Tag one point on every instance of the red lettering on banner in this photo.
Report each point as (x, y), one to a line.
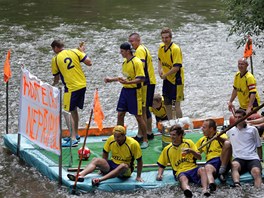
(38, 93)
(31, 123)
(43, 91)
(40, 113)
(30, 89)
(25, 85)
(44, 124)
(53, 103)
(40, 121)
(35, 91)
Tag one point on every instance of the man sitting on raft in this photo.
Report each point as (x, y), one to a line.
(246, 149)
(218, 153)
(182, 154)
(124, 151)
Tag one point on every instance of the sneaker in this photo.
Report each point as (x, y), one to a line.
(150, 136)
(206, 193)
(187, 193)
(212, 187)
(138, 139)
(144, 145)
(236, 185)
(73, 177)
(74, 143)
(67, 139)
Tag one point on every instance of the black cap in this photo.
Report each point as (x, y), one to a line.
(126, 46)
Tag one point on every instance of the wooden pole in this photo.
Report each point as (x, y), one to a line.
(251, 65)
(60, 157)
(231, 126)
(7, 115)
(80, 161)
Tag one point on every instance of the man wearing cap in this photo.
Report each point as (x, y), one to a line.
(130, 99)
(124, 150)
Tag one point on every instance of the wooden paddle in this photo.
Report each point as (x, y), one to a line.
(80, 161)
(231, 126)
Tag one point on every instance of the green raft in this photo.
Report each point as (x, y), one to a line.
(47, 163)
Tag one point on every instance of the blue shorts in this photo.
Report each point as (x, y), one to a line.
(72, 100)
(130, 100)
(172, 92)
(149, 101)
(192, 175)
(168, 91)
(215, 162)
(113, 166)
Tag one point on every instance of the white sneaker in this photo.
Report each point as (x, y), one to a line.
(144, 145)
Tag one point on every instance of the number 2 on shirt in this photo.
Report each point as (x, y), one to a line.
(69, 61)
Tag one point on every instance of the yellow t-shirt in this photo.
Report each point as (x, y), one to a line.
(172, 57)
(212, 149)
(173, 155)
(67, 64)
(144, 55)
(126, 153)
(133, 69)
(160, 113)
(244, 86)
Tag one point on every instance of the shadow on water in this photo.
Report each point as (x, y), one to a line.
(28, 27)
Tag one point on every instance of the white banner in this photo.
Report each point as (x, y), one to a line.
(39, 118)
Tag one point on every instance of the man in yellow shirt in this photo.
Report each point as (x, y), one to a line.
(218, 153)
(148, 88)
(130, 99)
(124, 150)
(244, 89)
(182, 155)
(171, 70)
(66, 66)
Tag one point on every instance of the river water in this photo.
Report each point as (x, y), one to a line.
(210, 59)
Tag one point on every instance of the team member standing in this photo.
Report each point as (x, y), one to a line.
(124, 150)
(150, 81)
(66, 66)
(130, 99)
(182, 155)
(171, 70)
(246, 149)
(218, 152)
(244, 88)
